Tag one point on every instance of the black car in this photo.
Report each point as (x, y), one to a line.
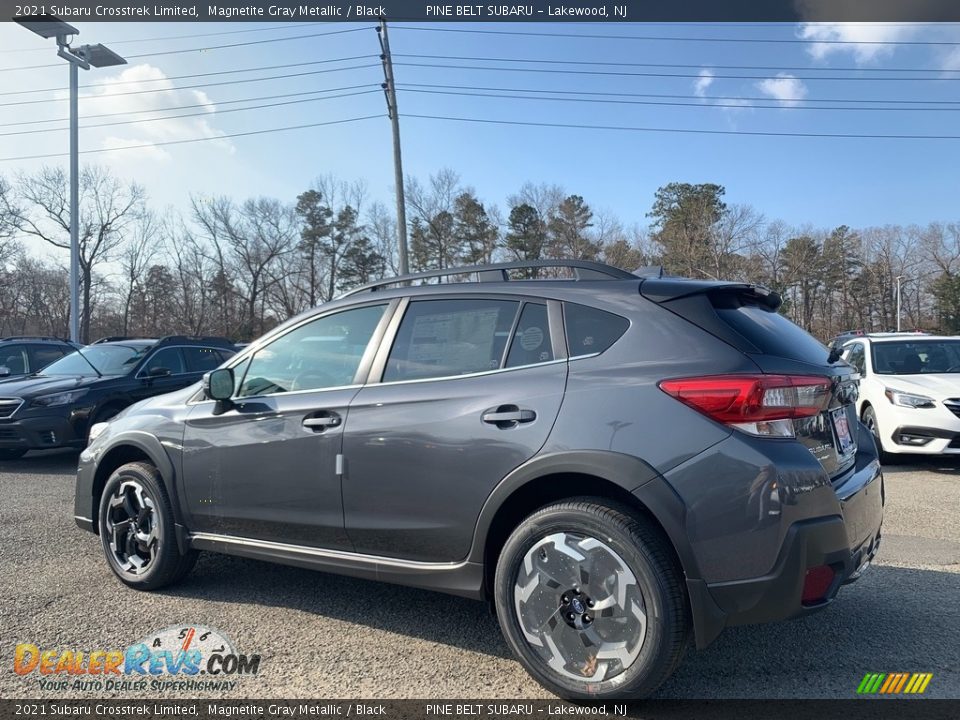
(57, 406)
(621, 464)
(25, 354)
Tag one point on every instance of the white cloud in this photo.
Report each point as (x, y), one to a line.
(703, 83)
(784, 88)
(855, 35)
(124, 93)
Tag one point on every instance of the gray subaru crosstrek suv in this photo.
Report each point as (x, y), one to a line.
(619, 463)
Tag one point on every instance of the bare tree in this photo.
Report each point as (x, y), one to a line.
(108, 208)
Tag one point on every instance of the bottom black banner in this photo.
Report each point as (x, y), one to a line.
(872, 709)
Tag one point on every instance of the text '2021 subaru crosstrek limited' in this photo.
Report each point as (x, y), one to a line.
(619, 463)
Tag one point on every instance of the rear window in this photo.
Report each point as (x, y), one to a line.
(769, 331)
(591, 331)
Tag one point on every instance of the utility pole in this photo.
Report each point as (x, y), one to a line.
(390, 91)
(899, 281)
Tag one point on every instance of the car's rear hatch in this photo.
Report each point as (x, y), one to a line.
(746, 317)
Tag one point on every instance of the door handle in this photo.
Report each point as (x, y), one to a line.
(320, 423)
(507, 416)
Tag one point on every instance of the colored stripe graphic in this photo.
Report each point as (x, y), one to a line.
(894, 683)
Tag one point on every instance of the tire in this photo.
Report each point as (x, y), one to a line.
(12, 453)
(869, 418)
(624, 561)
(137, 529)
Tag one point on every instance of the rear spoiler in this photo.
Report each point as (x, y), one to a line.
(662, 290)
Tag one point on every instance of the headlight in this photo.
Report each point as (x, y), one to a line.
(96, 431)
(60, 398)
(904, 399)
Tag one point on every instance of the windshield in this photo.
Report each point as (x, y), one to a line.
(916, 357)
(107, 359)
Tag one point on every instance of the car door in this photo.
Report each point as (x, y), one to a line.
(266, 465)
(470, 388)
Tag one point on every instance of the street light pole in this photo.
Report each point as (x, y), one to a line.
(74, 207)
(85, 57)
(899, 278)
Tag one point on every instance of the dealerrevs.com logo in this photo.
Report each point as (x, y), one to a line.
(188, 658)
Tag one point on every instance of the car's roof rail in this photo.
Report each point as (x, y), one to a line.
(48, 338)
(500, 272)
(195, 340)
(119, 338)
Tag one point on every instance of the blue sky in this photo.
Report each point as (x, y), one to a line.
(820, 181)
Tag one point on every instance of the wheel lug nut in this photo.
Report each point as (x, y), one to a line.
(570, 616)
(587, 618)
(590, 603)
(565, 599)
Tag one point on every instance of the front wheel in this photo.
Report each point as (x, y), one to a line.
(870, 421)
(591, 600)
(137, 529)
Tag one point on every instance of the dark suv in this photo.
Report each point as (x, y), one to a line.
(25, 354)
(619, 463)
(56, 406)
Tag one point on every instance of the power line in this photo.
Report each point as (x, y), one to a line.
(196, 75)
(682, 39)
(195, 105)
(208, 48)
(613, 73)
(850, 136)
(699, 66)
(196, 140)
(683, 97)
(205, 85)
(376, 89)
(680, 104)
(282, 26)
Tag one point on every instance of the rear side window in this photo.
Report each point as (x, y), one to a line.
(444, 338)
(201, 359)
(591, 331)
(767, 330)
(531, 340)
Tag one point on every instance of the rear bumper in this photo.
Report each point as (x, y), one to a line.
(845, 538)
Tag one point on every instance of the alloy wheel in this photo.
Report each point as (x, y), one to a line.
(579, 607)
(132, 528)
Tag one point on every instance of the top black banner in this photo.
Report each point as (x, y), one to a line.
(787, 11)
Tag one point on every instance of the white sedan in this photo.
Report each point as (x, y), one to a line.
(909, 390)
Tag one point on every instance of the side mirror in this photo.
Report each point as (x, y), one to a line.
(4, 371)
(218, 384)
(158, 372)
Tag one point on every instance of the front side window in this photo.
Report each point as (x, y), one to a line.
(446, 338)
(43, 355)
(855, 357)
(14, 359)
(324, 353)
(167, 361)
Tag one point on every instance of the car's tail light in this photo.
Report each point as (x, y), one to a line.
(758, 404)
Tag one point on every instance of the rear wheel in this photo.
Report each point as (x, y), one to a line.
(591, 600)
(12, 453)
(870, 421)
(137, 529)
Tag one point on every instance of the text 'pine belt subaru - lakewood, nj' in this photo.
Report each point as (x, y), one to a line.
(620, 463)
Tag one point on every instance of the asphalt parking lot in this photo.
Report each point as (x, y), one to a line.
(327, 636)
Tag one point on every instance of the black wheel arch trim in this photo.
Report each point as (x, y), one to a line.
(150, 446)
(625, 471)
